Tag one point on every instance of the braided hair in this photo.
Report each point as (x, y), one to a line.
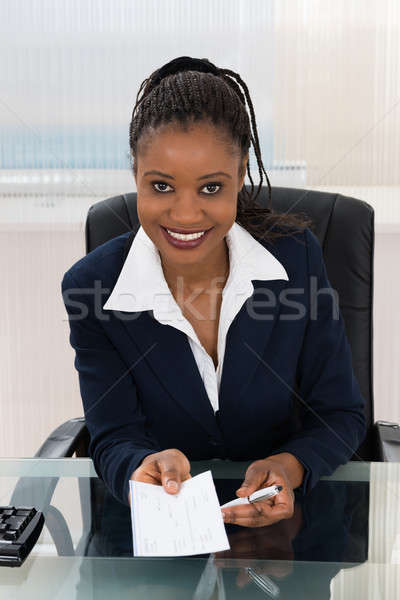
(188, 89)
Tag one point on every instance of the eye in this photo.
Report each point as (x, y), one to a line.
(212, 185)
(153, 183)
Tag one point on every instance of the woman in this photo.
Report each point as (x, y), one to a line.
(197, 350)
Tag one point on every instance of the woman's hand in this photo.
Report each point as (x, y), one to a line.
(167, 468)
(282, 469)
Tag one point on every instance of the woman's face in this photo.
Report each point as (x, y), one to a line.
(187, 180)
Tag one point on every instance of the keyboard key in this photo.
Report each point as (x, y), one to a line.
(8, 512)
(3, 526)
(10, 535)
(3, 540)
(16, 523)
(27, 513)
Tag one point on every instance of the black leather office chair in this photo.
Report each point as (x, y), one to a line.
(345, 229)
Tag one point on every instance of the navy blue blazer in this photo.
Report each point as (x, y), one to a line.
(287, 382)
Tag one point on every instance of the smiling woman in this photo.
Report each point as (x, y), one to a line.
(190, 127)
(188, 201)
(206, 369)
(189, 91)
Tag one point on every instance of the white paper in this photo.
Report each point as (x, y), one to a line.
(182, 524)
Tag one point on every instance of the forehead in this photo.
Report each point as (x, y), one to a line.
(199, 145)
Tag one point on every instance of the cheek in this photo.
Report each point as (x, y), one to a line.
(223, 209)
(148, 208)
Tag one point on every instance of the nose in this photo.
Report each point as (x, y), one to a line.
(186, 211)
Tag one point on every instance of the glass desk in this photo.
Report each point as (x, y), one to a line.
(342, 542)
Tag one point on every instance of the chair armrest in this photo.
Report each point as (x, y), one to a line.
(388, 441)
(66, 439)
(72, 436)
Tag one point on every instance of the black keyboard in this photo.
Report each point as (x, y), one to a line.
(19, 531)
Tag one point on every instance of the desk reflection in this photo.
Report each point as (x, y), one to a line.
(301, 555)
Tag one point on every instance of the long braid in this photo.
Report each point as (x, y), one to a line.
(255, 141)
(189, 89)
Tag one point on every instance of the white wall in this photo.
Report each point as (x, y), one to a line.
(324, 79)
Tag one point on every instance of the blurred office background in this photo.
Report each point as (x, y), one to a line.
(324, 77)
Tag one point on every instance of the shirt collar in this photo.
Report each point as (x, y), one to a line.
(141, 283)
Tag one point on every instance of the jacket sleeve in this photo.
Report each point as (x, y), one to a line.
(117, 427)
(332, 407)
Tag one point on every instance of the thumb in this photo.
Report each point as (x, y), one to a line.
(255, 477)
(170, 470)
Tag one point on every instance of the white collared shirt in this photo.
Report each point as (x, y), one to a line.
(141, 286)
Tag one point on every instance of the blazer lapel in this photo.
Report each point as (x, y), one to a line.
(172, 361)
(247, 340)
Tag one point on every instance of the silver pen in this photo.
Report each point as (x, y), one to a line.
(263, 494)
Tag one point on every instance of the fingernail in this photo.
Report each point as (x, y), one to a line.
(172, 485)
(224, 516)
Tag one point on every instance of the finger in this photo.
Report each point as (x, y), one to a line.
(243, 510)
(281, 509)
(285, 496)
(173, 471)
(246, 515)
(286, 492)
(253, 521)
(170, 478)
(258, 514)
(247, 510)
(146, 476)
(147, 472)
(269, 501)
(254, 478)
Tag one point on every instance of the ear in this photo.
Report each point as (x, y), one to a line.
(134, 169)
(243, 170)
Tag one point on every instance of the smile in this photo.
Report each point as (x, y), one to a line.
(180, 240)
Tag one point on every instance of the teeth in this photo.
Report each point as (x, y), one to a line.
(186, 238)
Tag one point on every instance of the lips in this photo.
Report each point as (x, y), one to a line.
(185, 231)
(185, 244)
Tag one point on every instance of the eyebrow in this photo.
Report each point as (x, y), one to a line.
(154, 172)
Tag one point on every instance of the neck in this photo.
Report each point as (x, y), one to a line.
(207, 275)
